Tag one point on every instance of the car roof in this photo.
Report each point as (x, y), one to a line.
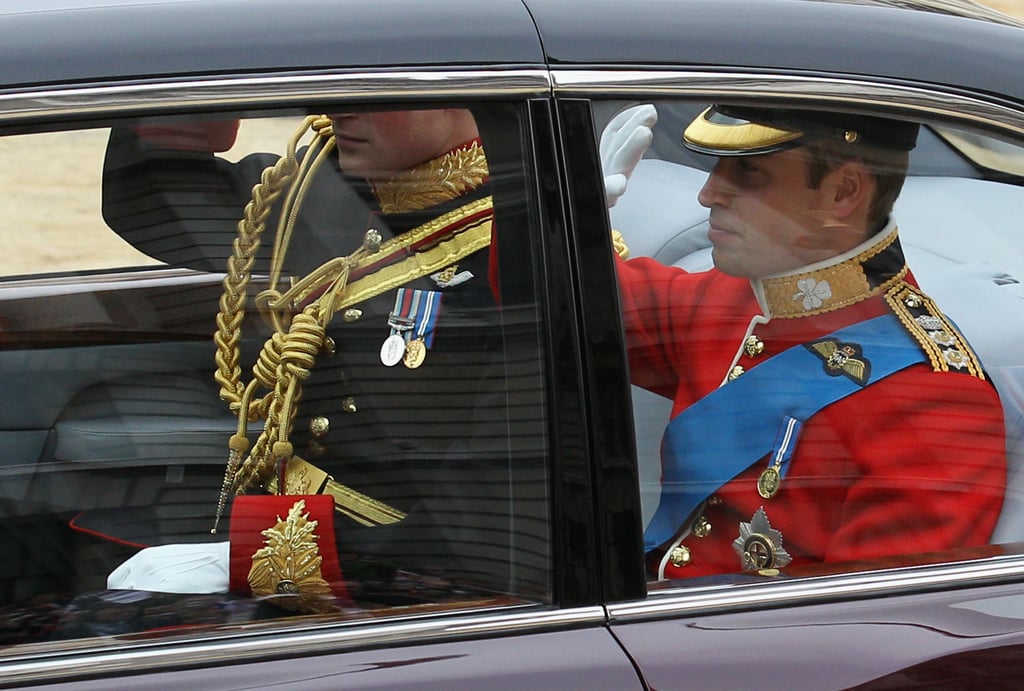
(68, 41)
(71, 41)
(979, 49)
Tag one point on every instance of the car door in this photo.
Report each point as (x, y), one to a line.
(149, 218)
(915, 616)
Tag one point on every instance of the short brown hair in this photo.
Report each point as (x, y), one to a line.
(889, 167)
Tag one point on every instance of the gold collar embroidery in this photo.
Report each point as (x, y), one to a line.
(433, 182)
(830, 287)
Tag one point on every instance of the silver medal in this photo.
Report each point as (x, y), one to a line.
(392, 350)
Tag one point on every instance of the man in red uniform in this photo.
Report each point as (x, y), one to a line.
(824, 409)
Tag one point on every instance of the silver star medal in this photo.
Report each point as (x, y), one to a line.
(759, 546)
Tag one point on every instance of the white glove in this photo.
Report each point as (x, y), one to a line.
(186, 568)
(623, 142)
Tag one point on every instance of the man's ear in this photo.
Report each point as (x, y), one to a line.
(851, 188)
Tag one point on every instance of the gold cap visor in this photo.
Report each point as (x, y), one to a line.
(715, 133)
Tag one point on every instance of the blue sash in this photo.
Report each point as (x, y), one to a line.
(731, 428)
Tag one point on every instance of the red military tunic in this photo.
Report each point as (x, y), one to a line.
(912, 463)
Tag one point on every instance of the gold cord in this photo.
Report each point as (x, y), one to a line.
(284, 357)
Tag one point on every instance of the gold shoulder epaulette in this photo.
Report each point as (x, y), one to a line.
(942, 342)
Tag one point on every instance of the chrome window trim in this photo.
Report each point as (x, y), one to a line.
(689, 601)
(152, 276)
(928, 101)
(120, 657)
(84, 101)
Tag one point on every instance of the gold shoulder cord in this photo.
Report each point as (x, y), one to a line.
(289, 354)
(942, 342)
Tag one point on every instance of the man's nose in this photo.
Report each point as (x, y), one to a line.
(716, 190)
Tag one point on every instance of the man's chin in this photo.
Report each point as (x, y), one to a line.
(732, 265)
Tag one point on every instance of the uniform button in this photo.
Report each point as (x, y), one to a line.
(735, 373)
(351, 315)
(702, 527)
(679, 556)
(328, 348)
(753, 346)
(348, 404)
(372, 240)
(316, 449)
(319, 426)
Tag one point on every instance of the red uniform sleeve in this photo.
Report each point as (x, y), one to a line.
(930, 469)
(644, 291)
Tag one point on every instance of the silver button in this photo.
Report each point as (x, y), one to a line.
(319, 426)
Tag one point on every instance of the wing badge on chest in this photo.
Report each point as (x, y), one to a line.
(842, 359)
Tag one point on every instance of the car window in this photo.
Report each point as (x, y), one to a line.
(363, 436)
(748, 293)
(56, 206)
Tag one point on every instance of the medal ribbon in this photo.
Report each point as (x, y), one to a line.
(731, 428)
(401, 320)
(415, 314)
(429, 307)
(785, 444)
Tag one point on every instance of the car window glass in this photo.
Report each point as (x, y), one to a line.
(752, 459)
(366, 428)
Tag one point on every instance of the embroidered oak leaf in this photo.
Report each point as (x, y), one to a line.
(288, 567)
(434, 182)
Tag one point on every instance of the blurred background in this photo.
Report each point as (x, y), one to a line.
(1014, 7)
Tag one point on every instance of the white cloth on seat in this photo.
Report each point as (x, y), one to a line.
(181, 568)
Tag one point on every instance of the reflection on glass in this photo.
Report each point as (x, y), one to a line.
(343, 476)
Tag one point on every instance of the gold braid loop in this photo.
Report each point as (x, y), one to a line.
(273, 181)
(232, 302)
(294, 361)
(305, 339)
(323, 126)
(233, 299)
(265, 369)
(288, 173)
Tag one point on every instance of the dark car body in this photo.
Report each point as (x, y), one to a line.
(955, 619)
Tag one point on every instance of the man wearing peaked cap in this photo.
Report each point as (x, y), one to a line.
(723, 131)
(824, 409)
